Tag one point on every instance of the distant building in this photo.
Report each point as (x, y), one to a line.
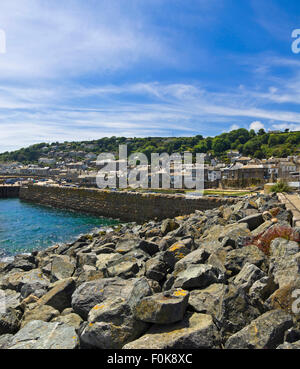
(47, 161)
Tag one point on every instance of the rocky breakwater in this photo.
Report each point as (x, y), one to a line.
(221, 278)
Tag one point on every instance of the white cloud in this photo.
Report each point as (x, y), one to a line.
(290, 126)
(234, 127)
(71, 38)
(256, 126)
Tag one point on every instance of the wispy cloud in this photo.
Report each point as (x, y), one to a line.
(83, 70)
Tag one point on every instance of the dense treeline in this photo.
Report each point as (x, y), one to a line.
(250, 143)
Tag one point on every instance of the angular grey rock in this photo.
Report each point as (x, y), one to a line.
(111, 325)
(263, 288)
(175, 253)
(32, 279)
(162, 308)
(9, 299)
(209, 300)
(95, 292)
(284, 261)
(234, 311)
(253, 221)
(125, 268)
(168, 225)
(62, 267)
(150, 248)
(39, 312)
(198, 276)
(71, 319)
(236, 259)
(9, 321)
(24, 262)
(60, 296)
(5, 340)
(195, 331)
(127, 244)
(195, 257)
(289, 346)
(156, 268)
(265, 332)
(41, 335)
(247, 276)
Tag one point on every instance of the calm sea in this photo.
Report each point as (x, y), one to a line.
(25, 227)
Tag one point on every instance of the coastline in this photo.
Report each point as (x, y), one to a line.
(150, 281)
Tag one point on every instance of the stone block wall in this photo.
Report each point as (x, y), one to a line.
(127, 206)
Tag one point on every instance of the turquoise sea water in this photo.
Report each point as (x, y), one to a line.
(25, 227)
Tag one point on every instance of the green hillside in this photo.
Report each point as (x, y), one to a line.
(250, 143)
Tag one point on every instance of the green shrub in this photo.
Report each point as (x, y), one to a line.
(281, 187)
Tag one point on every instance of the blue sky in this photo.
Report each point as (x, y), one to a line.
(87, 69)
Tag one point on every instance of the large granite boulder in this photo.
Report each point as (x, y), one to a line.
(265, 332)
(16, 281)
(195, 331)
(162, 308)
(62, 267)
(41, 335)
(39, 312)
(111, 325)
(59, 297)
(236, 259)
(89, 294)
(208, 300)
(198, 276)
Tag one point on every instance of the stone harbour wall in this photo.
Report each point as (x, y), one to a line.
(127, 206)
(9, 192)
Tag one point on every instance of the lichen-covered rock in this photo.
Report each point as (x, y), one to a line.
(127, 244)
(175, 253)
(195, 257)
(163, 308)
(265, 332)
(111, 325)
(195, 331)
(41, 335)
